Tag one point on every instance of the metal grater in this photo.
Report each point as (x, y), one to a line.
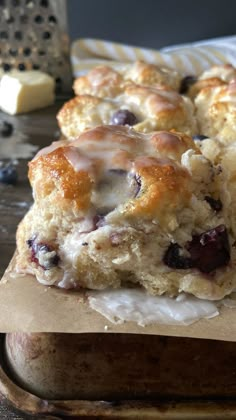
(33, 35)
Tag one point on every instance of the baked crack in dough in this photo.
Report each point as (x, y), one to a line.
(117, 207)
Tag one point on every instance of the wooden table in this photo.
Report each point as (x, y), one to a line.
(41, 129)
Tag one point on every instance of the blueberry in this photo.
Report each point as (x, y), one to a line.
(30, 242)
(6, 129)
(123, 117)
(186, 82)
(174, 259)
(8, 174)
(215, 204)
(37, 248)
(199, 137)
(210, 249)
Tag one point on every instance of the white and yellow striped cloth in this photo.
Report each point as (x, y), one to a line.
(187, 59)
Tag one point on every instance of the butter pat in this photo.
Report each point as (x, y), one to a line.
(25, 91)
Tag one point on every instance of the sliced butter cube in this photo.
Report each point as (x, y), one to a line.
(24, 91)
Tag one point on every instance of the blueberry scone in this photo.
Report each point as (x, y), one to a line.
(106, 82)
(223, 157)
(218, 75)
(119, 207)
(216, 112)
(144, 108)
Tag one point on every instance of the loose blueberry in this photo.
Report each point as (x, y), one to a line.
(199, 137)
(186, 82)
(8, 174)
(215, 204)
(124, 117)
(210, 249)
(6, 129)
(174, 259)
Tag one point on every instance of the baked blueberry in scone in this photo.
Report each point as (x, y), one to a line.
(117, 206)
(107, 82)
(143, 108)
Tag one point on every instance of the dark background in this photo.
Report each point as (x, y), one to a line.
(151, 23)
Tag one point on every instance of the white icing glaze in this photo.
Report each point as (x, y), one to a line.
(77, 160)
(112, 191)
(46, 150)
(119, 305)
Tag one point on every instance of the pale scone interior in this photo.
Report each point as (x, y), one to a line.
(118, 207)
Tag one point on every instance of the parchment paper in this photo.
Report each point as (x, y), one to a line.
(27, 306)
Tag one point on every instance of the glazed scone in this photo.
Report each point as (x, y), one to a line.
(106, 82)
(145, 108)
(116, 207)
(219, 75)
(216, 112)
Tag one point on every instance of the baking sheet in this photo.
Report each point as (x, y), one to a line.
(28, 306)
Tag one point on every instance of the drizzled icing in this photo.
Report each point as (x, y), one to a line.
(119, 161)
(79, 161)
(155, 100)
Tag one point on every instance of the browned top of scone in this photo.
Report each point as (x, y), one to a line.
(104, 81)
(149, 180)
(219, 75)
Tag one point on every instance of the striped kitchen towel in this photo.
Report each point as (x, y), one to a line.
(187, 58)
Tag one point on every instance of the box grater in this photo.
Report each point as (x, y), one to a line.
(33, 35)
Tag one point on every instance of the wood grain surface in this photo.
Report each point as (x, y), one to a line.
(40, 129)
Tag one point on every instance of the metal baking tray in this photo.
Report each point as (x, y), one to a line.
(148, 395)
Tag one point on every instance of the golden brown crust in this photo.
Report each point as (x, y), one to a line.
(52, 175)
(68, 174)
(216, 76)
(204, 83)
(104, 81)
(110, 204)
(165, 185)
(101, 81)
